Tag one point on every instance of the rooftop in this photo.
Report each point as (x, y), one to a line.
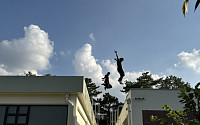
(44, 84)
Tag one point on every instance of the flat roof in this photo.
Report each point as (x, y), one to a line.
(41, 84)
(153, 89)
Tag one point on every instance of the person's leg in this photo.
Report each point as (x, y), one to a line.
(121, 76)
(110, 86)
(106, 85)
(120, 80)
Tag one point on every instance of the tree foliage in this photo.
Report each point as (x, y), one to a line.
(48, 74)
(190, 97)
(107, 103)
(147, 81)
(171, 82)
(92, 89)
(144, 81)
(29, 73)
(178, 117)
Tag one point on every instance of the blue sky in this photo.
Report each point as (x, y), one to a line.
(78, 37)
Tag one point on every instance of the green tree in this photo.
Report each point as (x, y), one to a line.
(128, 85)
(92, 89)
(107, 103)
(144, 81)
(29, 73)
(178, 118)
(49, 74)
(190, 97)
(171, 82)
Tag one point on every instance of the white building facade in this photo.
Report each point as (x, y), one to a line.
(45, 100)
(141, 103)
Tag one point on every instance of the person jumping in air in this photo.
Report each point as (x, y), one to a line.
(106, 83)
(119, 67)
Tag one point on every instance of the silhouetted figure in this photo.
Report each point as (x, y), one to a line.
(106, 83)
(102, 121)
(119, 67)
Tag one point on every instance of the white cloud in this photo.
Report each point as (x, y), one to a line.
(112, 68)
(31, 53)
(132, 76)
(91, 35)
(65, 53)
(190, 60)
(85, 64)
(62, 53)
(3, 70)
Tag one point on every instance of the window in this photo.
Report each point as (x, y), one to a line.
(33, 114)
(16, 115)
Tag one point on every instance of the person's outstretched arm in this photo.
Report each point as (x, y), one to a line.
(116, 55)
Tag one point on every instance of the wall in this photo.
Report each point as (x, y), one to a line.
(33, 98)
(123, 117)
(153, 100)
(54, 90)
(81, 114)
(147, 99)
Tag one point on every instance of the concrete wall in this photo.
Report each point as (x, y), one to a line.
(122, 119)
(148, 99)
(71, 91)
(153, 100)
(87, 105)
(81, 115)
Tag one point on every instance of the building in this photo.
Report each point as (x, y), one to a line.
(141, 103)
(45, 100)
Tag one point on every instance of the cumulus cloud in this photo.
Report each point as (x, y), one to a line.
(112, 68)
(91, 35)
(30, 53)
(85, 64)
(190, 60)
